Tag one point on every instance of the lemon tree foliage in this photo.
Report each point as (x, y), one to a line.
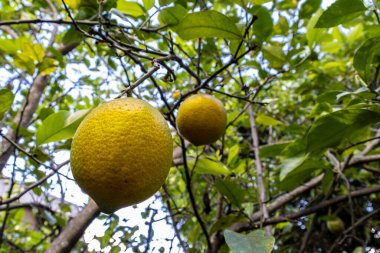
(291, 164)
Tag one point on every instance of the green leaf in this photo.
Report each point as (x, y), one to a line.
(48, 66)
(233, 154)
(273, 150)
(45, 112)
(130, 8)
(86, 11)
(282, 26)
(231, 190)
(340, 12)
(148, 4)
(328, 180)
(377, 3)
(263, 26)
(11, 46)
(72, 36)
(243, 3)
(274, 55)
(165, 2)
(355, 34)
(309, 7)
(207, 24)
(34, 51)
(172, 15)
(59, 126)
(234, 46)
(262, 1)
(254, 242)
(329, 96)
(292, 164)
(366, 59)
(74, 4)
(313, 35)
(330, 130)
(295, 168)
(267, 120)
(6, 100)
(209, 166)
(109, 4)
(226, 221)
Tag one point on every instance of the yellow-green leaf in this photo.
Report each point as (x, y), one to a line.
(131, 8)
(148, 4)
(209, 166)
(267, 120)
(6, 100)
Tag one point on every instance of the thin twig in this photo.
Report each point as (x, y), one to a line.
(174, 223)
(322, 205)
(30, 187)
(359, 143)
(212, 77)
(147, 75)
(234, 96)
(55, 15)
(191, 195)
(306, 238)
(259, 169)
(80, 22)
(254, 18)
(377, 16)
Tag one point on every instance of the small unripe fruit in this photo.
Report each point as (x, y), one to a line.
(335, 226)
(176, 94)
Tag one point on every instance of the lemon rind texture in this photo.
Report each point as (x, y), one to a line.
(201, 119)
(121, 153)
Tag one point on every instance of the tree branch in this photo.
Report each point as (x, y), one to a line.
(259, 170)
(192, 198)
(74, 230)
(69, 22)
(322, 205)
(340, 240)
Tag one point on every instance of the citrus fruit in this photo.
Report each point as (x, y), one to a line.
(335, 225)
(176, 94)
(121, 153)
(201, 119)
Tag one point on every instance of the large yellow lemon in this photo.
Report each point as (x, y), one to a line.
(201, 119)
(121, 153)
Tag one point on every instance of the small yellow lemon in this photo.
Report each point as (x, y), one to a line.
(201, 119)
(176, 94)
(121, 153)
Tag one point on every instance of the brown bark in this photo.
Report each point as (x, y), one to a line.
(260, 170)
(74, 230)
(323, 205)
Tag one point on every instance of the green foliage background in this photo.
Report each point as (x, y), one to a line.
(300, 85)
